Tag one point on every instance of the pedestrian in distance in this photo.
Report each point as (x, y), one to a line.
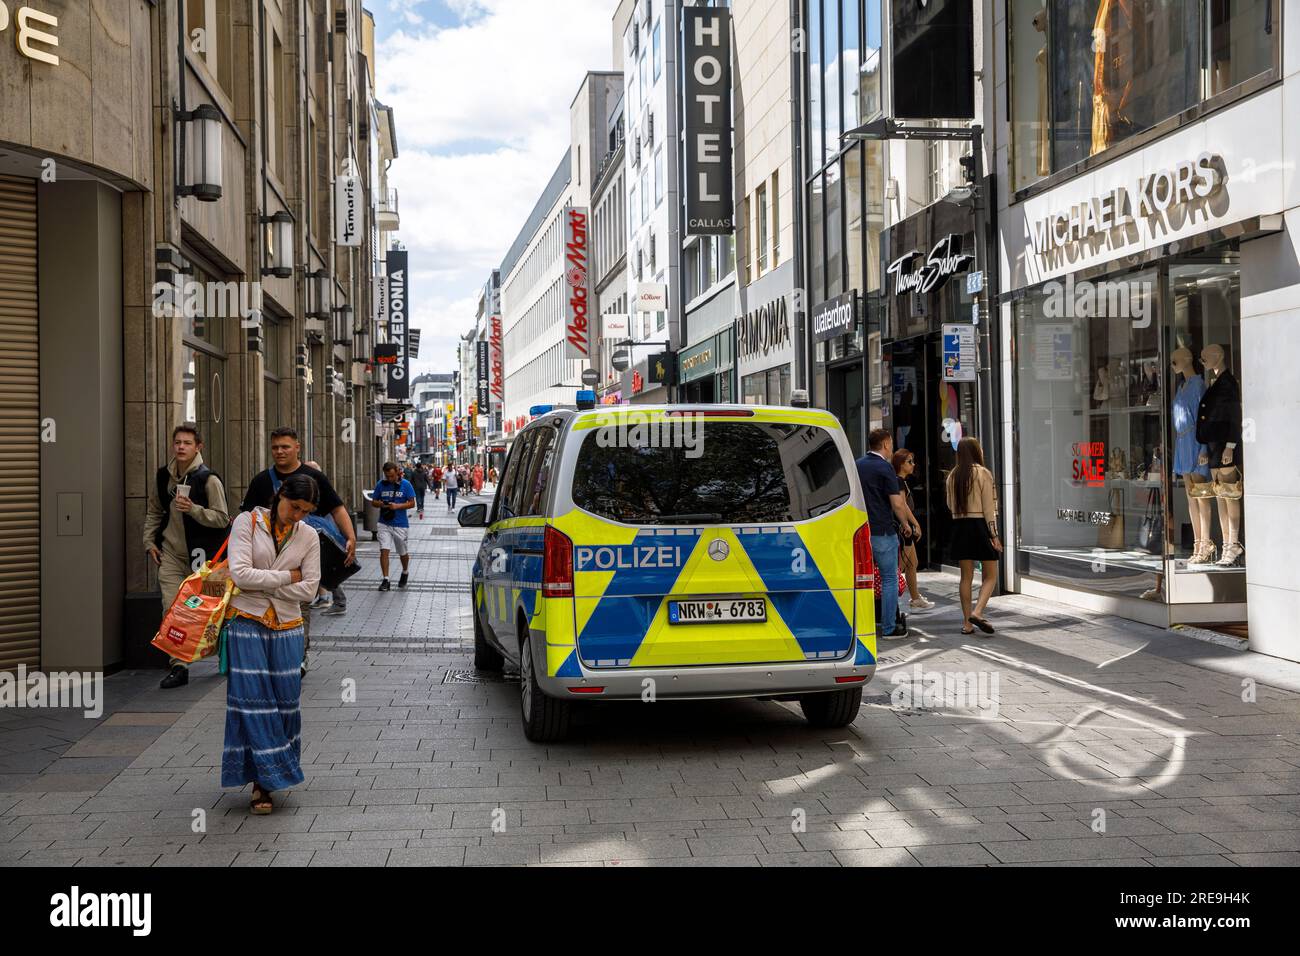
(435, 481)
(972, 499)
(886, 512)
(393, 496)
(452, 481)
(419, 479)
(186, 520)
(275, 564)
(476, 479)
(904, 463)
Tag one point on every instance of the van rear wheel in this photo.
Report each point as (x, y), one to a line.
(546, 720)
(835, 709)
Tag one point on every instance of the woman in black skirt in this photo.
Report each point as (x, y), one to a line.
(973, 503)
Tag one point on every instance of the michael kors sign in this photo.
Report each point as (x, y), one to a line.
(29, 33)
(1152, 194)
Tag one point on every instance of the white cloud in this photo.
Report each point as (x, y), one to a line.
(482, 116)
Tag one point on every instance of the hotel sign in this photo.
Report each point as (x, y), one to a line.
(706, 45)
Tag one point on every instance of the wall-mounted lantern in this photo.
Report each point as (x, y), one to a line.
(279, 251)
(200, 135)
(320, 298)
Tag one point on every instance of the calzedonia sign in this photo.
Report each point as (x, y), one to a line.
(706, 46)
(577, 328)
(399, 374)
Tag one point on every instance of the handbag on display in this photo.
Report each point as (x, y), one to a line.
(1111, 536)
(1152, 532)
(1228, 489)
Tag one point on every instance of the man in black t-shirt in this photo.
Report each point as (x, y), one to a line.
(286, 451)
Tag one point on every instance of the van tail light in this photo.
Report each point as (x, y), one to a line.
(557, 564)
(864, 564)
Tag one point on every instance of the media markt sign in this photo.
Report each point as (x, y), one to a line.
(577, 329)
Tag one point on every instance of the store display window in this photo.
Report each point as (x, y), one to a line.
(1129, 432)
(1086, 75)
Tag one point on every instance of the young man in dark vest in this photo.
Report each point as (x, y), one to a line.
(185, 522)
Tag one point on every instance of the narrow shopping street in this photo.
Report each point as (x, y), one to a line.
(1094, 741)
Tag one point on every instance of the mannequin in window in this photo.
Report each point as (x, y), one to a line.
(1218, 426)
(1042, 141)
(1189, 454)
(1114, 33)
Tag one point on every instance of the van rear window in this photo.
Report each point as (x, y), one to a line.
(709, 473)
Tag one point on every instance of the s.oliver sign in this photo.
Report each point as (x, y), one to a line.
(706, 45)
(577, 330)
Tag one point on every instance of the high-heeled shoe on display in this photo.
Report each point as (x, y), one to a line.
(1233, 556)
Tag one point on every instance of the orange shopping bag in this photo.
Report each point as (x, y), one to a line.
(191, 627)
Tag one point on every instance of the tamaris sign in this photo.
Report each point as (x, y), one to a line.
(577, 330)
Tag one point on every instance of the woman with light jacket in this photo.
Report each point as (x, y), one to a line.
(275, 564)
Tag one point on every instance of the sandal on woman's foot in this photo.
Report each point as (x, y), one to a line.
(968, 633)
(982, 624)
(261, 803)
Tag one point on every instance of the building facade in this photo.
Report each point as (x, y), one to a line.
(1149, 290)
(168, 179)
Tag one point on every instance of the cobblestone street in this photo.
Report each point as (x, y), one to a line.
(1103, 742)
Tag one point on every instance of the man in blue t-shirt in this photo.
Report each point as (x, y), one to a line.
(886, 513)
(393, 496)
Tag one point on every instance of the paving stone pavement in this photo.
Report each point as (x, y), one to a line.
(1103, 742)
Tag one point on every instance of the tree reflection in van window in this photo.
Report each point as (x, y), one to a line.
(748, 472)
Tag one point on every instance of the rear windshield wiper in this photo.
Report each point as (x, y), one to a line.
(704, 517)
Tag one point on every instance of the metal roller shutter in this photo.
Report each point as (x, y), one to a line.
(20, 448)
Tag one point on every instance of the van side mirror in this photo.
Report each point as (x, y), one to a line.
(473, 516)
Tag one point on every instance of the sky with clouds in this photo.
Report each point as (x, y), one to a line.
(480, 91)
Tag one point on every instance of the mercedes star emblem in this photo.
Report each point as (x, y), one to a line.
(718, 549)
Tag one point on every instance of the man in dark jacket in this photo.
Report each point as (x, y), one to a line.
(186, 520)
